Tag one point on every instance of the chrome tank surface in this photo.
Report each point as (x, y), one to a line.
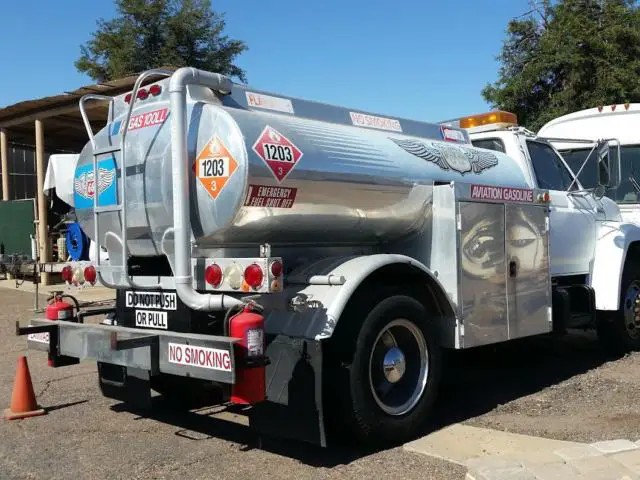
(337, 184)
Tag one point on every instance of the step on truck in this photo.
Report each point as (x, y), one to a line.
(311, 262)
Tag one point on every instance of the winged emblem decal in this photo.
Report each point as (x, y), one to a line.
(449, 157)
(84, 185)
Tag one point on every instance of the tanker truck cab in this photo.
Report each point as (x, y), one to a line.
(616, 122)
(593, 251)
(311, 261)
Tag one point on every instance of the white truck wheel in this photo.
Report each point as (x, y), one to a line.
(619, 332)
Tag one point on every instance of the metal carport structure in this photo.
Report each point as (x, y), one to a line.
(52, 124)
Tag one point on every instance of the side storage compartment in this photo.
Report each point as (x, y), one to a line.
(529, 297)
(482, 273)
(504, 271)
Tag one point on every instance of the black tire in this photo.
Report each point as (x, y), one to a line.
(353, 408)
(614, 335)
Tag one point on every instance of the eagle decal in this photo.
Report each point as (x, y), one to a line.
(84, 185)
(449, 157)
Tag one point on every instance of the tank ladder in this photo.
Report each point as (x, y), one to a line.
(122, 205)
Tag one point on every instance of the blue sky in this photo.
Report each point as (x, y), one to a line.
(424, 60)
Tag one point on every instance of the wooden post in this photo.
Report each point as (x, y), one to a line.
(43, 235)
(4, 157)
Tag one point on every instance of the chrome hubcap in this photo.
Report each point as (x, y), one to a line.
(394, 365)
(398, 367)
(632, 310)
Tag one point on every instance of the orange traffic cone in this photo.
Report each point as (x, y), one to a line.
(23, 398)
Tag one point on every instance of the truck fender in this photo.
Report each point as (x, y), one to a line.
(321, 291)
(614, 242)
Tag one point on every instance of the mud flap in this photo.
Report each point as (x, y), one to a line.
(126, 384)
(293, 408)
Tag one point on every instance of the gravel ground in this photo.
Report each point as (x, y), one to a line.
(87, 436)
(562, 388)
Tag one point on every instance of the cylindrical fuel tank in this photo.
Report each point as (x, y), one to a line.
(259, 177)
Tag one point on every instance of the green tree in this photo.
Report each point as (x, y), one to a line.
(566, 56)
(153, 33)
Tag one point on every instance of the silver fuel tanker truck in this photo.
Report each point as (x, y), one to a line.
(311, 262)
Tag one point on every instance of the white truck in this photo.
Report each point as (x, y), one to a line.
(312, 261)
(591, 243)
(619, 123)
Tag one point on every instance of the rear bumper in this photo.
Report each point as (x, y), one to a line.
(194, 355)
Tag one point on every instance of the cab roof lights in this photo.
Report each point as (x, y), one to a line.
(613, 107)
(497, 117)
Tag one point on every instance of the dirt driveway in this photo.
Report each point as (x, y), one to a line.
(559, 388)
(86, 436)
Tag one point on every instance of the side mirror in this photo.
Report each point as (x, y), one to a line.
(603, 164)
(608, 169)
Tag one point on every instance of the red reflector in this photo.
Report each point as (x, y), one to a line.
(213, 275)
(67, 274)
(127, 98)
(90, 274)
(142, 94)
(253, 275)
(155, 90)
(276, 268)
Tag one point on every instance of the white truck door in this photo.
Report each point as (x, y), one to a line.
(572, 217)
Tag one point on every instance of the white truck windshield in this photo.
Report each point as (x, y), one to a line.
(630, 164)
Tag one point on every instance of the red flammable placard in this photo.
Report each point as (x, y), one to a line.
(277, 151)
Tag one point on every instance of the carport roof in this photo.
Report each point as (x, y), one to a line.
(63, 126)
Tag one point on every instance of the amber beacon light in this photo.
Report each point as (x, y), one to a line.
(489, 118)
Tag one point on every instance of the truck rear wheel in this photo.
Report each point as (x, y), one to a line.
(619, 332)
(389, 373)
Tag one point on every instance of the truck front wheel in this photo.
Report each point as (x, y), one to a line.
(386, 386)
(619, 332)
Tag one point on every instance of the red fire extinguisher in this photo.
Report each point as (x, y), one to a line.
(58, 309)
(249, 387)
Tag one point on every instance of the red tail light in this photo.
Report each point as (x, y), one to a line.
(67, 274)
(253, 276)
(276, 268)
(142, 94)
(155, 90)
(90, 274)
(127, 98)
(213, 275)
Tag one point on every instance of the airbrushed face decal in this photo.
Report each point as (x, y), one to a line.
(449, 157)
